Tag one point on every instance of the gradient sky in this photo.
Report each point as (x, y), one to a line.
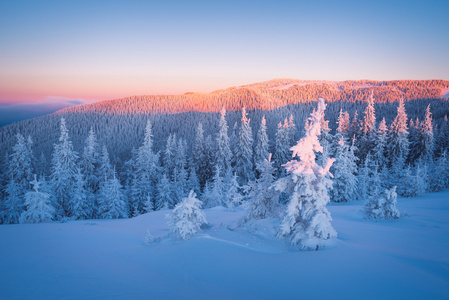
(93, 50)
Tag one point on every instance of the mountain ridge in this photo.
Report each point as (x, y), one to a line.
(271, 94)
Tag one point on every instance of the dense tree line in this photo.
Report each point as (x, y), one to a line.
(229, 167)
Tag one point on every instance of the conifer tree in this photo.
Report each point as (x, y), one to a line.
(223, 154)
(113, 203)
(233, 196)
(368, 128)
(199, 159)
(281, 149)
(164, 198)
(169, 155)
(193, 182)
(307, 221)
(442, 142)
(440, 176)
(380, 145)
(380, 206)
(64, 169)
(105, 168)
(187, 217)
(398, 145)
(83, 208)
(38, 206)
(244, 150)
(263, 198)
(89, 163)
(217, 191)
(145, 174)
(343, 126)
(261, 150)
(427, 140)
(344, 171)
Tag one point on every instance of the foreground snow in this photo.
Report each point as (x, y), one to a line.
(109, 259)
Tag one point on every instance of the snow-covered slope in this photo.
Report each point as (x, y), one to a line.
(402, 259)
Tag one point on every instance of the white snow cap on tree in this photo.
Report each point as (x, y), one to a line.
(187, 217)
(307, 220)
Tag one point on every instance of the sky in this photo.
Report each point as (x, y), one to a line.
(84, 51)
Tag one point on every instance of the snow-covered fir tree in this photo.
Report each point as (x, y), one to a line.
(89, 163)
(105, 170)
(398, 144)
(64, 169)
(82, 206)
(369, 179)
(380, 145)
(223, 153)
(20, 174)
(145, 173)
(38, 206)
(368, 129)
(442, 142)
(263, 198)
(216, 196)
(440, 174)
(187, 217)
(427, 144)
(261, 149)
(164, 198)
(344, 170)
(193, 182)
(343, 126)
(413, 184)
(244, 150)
(281, 148)
(112, 199)
(169, 155)
(199, 159)
(382, 206)
(307, 220)
(233, 196)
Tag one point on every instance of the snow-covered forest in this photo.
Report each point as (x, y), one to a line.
(238, 163)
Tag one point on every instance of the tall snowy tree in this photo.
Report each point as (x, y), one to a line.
(261, 150)
(89, 163)
(145, 174)
(113, 202)
(344, 171)
(426, 146)
(442, 142)
(187, 217)
(217, 190)
(380, 145)
(199, 159)
(193, 182)
(64, 169)
(281, 148)
(307, 220)
(343, 126)
(223, 154)
(244, 151)
(164, 198)
(398, 145)
(233, 196)
(38, 206)
(368, 128)
(82, 206)
(105, 169)
(169, 155)
(440, 174)
(263, 198)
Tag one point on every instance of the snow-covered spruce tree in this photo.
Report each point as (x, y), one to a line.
(223, 153)
(112, 199)
(187, 217)
(440, 174)
(145, 174)
(398, 144)
(343, 126)
(427, 145)
(442, 142)
(413, 185)
(263, 198)
(164, 198)
(325, 139)
(244, 151)
(217, 192)
(344, 170)
(193, 181)
(380, 206)
(19, 173)
(369, 180)
(38, 206)
(169, 154)
(89, 163)
(307, 220)
(105, 170)
(281, 148)
(64, 169)
(368, 129)
(262, 144)
(82, 208)
(233, 196)
(199, 159)
(380, 145)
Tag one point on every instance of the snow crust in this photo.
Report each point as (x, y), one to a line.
(110, 259)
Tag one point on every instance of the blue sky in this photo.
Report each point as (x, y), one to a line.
(97, 50)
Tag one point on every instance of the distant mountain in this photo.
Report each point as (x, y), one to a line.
(120, 124)
(272, 94)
